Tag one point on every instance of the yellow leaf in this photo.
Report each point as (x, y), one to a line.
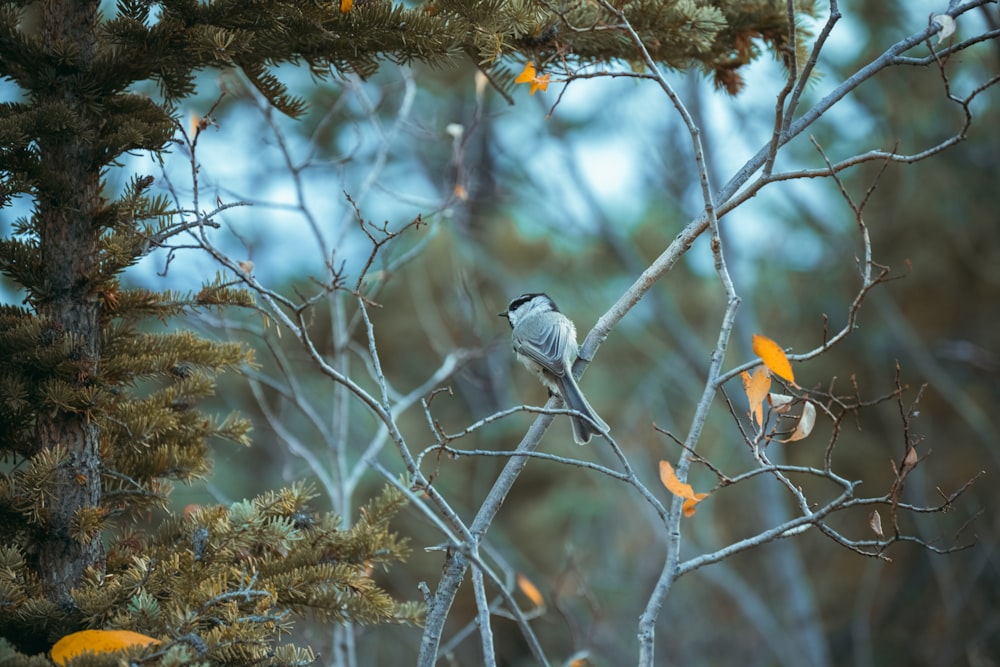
(530, 75)
(530, 590)
(773, 357)
(96, 641)
(756, 387)
(527, 75)
(679, 488)
(540, 83)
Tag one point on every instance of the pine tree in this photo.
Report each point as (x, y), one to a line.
(98, 414)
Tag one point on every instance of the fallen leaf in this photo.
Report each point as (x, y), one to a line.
(96, 641)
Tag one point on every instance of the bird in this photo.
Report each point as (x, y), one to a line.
(545, 342)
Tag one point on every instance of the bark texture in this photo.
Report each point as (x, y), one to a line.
(68, 203)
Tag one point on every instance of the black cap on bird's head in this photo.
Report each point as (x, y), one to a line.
(523, 299)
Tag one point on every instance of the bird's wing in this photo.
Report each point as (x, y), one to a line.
(546, 349)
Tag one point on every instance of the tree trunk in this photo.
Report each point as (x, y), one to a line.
(67, 203)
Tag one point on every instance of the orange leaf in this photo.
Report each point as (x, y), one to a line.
(679, 488)
(530, 590)
(688, 506)
(674, 485)
(96, 641)
(756, 387)
(528, 74)
(773, 357)
(345, 6)
(540, 83)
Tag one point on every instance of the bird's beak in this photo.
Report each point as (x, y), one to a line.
(503, 314)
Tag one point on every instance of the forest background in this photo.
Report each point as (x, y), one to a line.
(489, 193)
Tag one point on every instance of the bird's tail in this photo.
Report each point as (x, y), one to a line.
(583, 428)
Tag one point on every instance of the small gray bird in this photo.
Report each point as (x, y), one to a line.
(545, 342)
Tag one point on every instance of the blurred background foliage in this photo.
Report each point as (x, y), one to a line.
(575, 204)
